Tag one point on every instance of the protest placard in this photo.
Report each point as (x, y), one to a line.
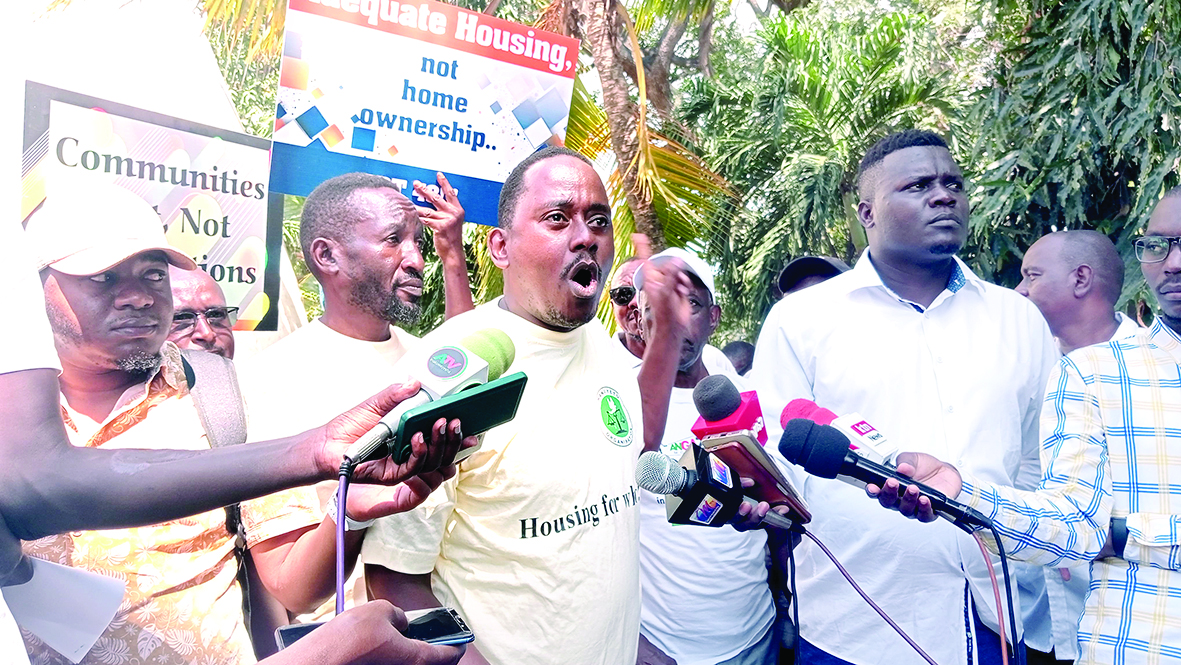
(208, 185)
(405, 90)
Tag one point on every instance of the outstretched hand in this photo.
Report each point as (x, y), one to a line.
(334, 439)
(909, 500)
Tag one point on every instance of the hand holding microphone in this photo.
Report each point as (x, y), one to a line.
(824, 451)
(908, 498)
(710, 494)
(479, 358)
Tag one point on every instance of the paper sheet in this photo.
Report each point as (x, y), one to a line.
(65, 607)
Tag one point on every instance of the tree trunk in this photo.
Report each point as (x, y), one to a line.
(704, 40)
(658, 86)
(622, 114)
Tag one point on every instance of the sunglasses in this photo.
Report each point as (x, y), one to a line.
(622, 295)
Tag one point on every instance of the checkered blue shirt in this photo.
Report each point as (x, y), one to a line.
(1111, 447)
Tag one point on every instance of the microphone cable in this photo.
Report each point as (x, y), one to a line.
(1013, 640)
(342, 493)
(857, 588)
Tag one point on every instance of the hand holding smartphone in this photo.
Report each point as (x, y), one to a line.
(439, 625)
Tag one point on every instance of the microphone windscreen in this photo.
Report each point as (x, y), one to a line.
(494, 347)
(826, 451)
(822, 416)
(716, 398)
(658, 474)
(794, 438)
(797, 408)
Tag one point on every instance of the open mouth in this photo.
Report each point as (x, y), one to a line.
(584, 277)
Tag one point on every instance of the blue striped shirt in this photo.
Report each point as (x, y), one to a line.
(1111, 447)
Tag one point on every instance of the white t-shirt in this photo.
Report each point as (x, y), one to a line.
(705, 593)
(535, 541)
(27, 345)
(302, 381)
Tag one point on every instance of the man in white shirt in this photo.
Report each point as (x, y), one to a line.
(706, 600)
(361, 238)
(535, 541)
(933, 357)
(1075, 278)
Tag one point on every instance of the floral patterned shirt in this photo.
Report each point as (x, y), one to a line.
(183, 604)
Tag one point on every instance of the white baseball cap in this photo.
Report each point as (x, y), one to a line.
(695, 265)
(88, 229)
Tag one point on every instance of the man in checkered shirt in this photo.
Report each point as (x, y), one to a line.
(1111, 484)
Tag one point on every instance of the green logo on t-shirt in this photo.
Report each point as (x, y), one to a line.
(616, 423)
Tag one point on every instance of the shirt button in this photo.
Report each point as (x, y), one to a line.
(951, 409)
(939, 360)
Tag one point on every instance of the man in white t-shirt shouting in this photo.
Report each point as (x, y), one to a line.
(535, 541)
(689, 573)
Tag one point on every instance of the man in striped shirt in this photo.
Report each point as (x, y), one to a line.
(1111, 484)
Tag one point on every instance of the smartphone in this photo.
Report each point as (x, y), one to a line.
(742, 452)
(285, 636)
(441, 625)
(479, 409)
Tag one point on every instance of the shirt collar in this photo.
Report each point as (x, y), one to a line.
(864, 275)
(1166, 339)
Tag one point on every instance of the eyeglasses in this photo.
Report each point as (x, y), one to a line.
(216, 317)
(622, 295)
(1154, 249)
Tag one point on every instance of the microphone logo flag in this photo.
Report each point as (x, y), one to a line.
(447, 362)
(707, 510)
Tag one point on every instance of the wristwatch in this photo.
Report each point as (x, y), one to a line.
(1119, 535)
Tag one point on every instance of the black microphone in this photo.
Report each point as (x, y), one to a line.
(707, 495)
(824, 452)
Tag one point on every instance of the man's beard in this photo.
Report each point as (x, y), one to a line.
(558, 320)
(371, 295)
(140, 364)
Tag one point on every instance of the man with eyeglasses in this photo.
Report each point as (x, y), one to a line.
(1110, 493)
(200, 318)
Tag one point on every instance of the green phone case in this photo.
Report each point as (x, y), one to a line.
(479, 409)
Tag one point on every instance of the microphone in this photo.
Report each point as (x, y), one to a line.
(731, 427)
(444, 370)
(824, 452)
(707, 495)
(866, 440)
(723, 409)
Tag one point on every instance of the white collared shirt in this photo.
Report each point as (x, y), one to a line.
(962, 380)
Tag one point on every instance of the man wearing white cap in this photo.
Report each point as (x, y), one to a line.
(719, 573)
(104, 264)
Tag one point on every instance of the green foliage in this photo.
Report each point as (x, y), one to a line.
(252, 82)
(1079, 130)
(790, 134)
